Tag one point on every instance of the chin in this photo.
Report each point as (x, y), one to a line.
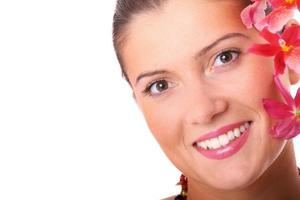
(235, 176)
(234, 181)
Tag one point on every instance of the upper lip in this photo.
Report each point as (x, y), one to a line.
(220, 131)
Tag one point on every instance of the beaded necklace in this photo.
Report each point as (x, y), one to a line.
(183, 183)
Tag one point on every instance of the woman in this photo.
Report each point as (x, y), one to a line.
(201, 93)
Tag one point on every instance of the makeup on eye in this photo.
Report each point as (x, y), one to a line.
(226, 57)
(156, 87)
(229, 37)
(223, 58)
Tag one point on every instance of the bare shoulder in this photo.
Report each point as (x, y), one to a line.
(169, 198)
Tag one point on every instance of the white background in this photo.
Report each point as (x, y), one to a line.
(69, 128)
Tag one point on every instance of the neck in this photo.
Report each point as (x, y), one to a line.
(280, 181)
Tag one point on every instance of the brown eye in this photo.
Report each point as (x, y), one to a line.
(158, 87)
(226, 57)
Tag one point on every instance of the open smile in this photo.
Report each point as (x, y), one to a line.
(223, 142)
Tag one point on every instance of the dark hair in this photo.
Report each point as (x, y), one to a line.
(124, 12)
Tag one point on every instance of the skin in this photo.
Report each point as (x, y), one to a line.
(202, 95)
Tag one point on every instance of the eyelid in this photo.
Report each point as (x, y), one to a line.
(147, 92)
(232, 49)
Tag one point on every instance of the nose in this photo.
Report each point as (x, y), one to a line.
(204, 107)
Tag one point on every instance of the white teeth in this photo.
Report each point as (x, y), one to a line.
(208, 145)
(230, 135)
(242, 128)
(237, 132)
(224, 139)
(215, 143)
(203, 145)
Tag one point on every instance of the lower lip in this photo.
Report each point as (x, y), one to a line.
(230, 149)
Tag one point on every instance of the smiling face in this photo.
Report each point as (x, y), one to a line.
(194, 81)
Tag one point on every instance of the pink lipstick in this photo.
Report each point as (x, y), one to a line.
(223, 142)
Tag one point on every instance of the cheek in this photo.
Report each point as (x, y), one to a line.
(257, 82)
(163, 120)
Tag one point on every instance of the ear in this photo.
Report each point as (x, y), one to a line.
(293, 76)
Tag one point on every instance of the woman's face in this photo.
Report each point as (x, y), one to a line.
(191, 75)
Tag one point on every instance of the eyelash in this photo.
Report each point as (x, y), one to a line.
(231, 51)
(147, 90)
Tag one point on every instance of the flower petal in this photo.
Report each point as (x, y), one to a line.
(273, 38)
(247, 15)
(277, 110)
(284, 92)
(296, 43)
(259, 13)
(297, 98)
(298, 4)
(293, 132)
(254, 13)
(276, 3)
(291, 34)
(276, 20)
(283, 128)
(293, 60)
(264, 49)
(279, 63)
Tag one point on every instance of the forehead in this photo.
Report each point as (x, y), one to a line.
(172, 34)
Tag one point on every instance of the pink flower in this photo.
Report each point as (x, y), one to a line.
(276, 20)
(291, 4)
(285, 48)
(254, 13)
(287, 114)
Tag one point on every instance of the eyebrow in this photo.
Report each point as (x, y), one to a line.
(202, 52)
(221, 39)
(148, 74)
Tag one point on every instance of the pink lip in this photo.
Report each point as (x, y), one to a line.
(230, 149)
(220, 131)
